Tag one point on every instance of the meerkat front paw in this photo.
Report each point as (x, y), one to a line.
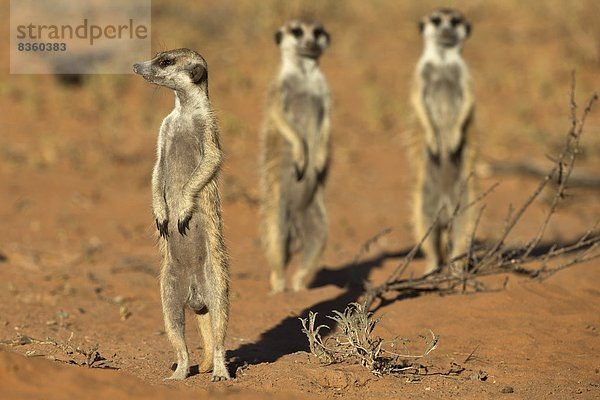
(183, 223)
(163, 227)
(161, 218)
(300, 161)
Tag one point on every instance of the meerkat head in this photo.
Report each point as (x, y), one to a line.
(179, 69)
(303, 38)
(445, 28)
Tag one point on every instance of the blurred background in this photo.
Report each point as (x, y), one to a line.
(76, 156)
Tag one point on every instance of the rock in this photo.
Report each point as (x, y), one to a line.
(507, 389)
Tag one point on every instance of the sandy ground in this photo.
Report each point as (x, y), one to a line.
(79, 264)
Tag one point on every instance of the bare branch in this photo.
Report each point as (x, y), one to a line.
(494, 259)
(366, 246)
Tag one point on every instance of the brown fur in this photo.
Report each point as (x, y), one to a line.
(295, 155)
(187, 209)
(443, 151)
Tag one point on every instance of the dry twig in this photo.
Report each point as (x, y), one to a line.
(91, 356)
(497, 259)
(354, 340)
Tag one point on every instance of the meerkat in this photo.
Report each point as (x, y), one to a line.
(442, 97)
(187, 211)
(295, 155)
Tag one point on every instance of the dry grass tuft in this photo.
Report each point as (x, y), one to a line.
(354, 342)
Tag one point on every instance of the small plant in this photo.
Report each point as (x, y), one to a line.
(354, 342)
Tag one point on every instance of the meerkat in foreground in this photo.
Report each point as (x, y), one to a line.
(443, 100)
(295, 154)
(187, 210)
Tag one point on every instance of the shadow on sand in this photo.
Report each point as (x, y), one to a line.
(286, 337)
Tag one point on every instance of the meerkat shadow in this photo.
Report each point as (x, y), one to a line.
(194, 370)
(547, 246)
(355, 274)
(287, 337)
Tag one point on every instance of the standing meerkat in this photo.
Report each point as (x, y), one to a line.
(187, 210)
(443, 100)
(295, 154)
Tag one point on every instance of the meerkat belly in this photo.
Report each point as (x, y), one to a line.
(305, 114)
(184, 156)
(443, 96)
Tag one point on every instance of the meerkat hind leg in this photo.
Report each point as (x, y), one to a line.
(218, 320)
(462, 229)
(174, 316)
(432, 243)
(431, 250)
(276, 241)
(314, 235)
(206, 331)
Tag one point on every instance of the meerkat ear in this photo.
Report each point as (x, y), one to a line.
(421, 26)
(197, 73)
(278, 37)
(322, 37)
(468, 28)
(327, 37)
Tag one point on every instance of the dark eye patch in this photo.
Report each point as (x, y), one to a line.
(436, 21)
(455, 21)
(297, 32)
(165, 62)
(318, 32)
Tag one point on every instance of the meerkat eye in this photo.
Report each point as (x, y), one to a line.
(455, 21)
(317, 32)
(436, 21)
(297, 32)
(166, 62)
